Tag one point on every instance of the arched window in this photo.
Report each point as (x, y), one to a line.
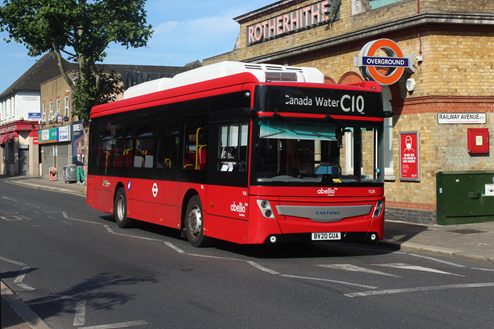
(350, 77)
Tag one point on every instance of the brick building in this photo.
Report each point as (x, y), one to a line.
(450, 81)
(20, 117)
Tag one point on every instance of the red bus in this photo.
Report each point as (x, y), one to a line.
(248, 153)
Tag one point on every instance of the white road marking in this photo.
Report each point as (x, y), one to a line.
(482, 269)
(110, 230)
(354, 268)
(416, 268)
(25, 286)
(22, 274)
(12, 261)
(177, 249)
(437, 260)
(408, 290)
(396, 237)
(262, 268)
(80, 313)
(214, 257)
(32, 205)
(328, 280)
(118, 325)
(10, 199)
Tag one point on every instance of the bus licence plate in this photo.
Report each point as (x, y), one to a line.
(326, 236)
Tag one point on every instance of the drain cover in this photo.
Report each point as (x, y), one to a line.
(467, 231)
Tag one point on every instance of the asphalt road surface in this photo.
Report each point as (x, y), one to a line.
(76, 268)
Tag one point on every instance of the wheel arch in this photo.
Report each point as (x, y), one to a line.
(117, 187)
(185, 201)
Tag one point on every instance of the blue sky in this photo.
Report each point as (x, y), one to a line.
(184, 31)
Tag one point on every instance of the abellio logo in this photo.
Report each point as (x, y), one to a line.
(239, 208)
(329, 191)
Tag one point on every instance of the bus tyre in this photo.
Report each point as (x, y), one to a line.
(120, 209)
(194, 223)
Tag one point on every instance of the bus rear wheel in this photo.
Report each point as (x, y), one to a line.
(120, 209)
(194, 223)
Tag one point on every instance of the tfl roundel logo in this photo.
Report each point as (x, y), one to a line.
(395, 62)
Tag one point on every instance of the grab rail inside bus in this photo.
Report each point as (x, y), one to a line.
(196, 160)
(198, 150)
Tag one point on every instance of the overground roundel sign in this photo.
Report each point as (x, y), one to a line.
(395, 61)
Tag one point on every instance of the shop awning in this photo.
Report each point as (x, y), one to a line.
(10, 137)
(2, 139)
(33, 133)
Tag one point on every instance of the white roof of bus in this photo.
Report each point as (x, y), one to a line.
(263, 72)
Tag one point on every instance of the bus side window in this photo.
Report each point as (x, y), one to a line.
(123, 147)
(105, 149)
(167, 145)
(233, 148)
(144, 154)
(196, 142)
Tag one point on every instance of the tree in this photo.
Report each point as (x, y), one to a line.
(81, 30)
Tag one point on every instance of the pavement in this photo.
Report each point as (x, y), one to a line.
(467, 241)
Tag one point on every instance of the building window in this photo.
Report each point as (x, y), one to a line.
(44, 112)
(66, 106)
(381, 3)
(50, 117)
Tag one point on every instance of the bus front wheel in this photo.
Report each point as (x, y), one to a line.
(120, 209)
(194, 223)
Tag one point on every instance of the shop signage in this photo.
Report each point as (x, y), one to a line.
(461, 118)
(64, 134)
(48, 136)
(409, 156)
(77, 143)
(297, 20)
(395, 61)
(34, 116)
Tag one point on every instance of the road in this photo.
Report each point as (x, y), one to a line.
(76, 268)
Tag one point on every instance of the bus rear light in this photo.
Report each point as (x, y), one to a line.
(379, 208)
(265, 208)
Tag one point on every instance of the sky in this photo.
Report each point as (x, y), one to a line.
(184, 31)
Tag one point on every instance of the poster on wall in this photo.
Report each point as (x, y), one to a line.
(409, 156)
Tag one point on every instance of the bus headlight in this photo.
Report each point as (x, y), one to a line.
(378, 210)
(265, 208)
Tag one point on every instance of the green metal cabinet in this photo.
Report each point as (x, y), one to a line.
(465, 197)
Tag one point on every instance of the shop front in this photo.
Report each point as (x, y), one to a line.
(433, 61)
(56, 151)
(19, 149)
